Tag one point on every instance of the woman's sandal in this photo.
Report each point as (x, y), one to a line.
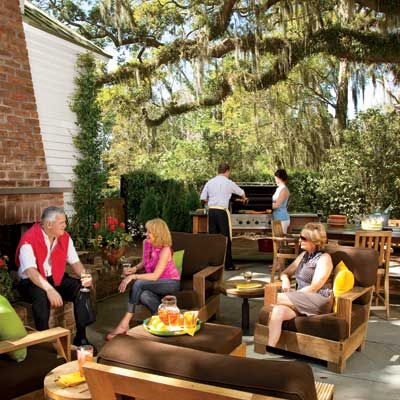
(112, 334)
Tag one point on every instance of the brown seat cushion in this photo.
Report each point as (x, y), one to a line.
(289, 380)
(17, 379)
(326, 326)
(213, 338)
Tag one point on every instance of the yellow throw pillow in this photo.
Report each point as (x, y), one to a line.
(343, 281)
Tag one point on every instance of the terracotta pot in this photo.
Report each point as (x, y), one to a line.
(113, 255)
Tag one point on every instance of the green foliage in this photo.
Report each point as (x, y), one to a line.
(90, 175)
(363, 174)
(174, 210)
(149, 196)
(150, 207)
(303, 187)
(5, 279)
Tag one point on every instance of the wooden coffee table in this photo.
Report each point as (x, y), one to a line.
(228, 288)
(53, 391)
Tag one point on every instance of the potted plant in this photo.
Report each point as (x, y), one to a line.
(111, 239)
(5, 279)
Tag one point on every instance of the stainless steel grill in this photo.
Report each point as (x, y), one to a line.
(260, 200)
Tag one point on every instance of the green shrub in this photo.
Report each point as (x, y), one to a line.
(303, 187)
(150, 207)
(148, 196)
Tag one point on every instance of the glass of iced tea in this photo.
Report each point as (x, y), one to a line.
(84, 354)
(173, 319)
(190, 319)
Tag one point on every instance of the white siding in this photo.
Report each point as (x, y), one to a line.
(52, 62)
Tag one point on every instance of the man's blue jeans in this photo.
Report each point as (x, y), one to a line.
(149, 293)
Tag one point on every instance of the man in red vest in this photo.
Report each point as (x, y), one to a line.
(42, 254)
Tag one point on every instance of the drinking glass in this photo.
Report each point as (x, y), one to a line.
(247, 276)
(126, 266)
(84, 354)
(190, 319)
(173, 319)
(86, 276)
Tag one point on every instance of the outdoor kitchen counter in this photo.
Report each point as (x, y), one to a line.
(298, 220)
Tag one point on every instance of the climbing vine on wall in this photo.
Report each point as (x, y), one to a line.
(90, 174)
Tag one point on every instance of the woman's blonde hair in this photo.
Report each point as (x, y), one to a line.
(160, 230)
(315, 233)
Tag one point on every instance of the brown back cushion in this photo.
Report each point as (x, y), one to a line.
(362, 262)
(201, 250)
(284, 379)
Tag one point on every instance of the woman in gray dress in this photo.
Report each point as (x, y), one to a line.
(313, 271)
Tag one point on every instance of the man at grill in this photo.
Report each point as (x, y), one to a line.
(216, 194)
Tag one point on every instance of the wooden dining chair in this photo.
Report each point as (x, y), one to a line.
(285, 247)
(380, 241)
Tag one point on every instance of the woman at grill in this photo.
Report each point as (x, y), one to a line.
(313, 272)
(160, 276)
(280, 200)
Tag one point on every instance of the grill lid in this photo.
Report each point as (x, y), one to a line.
(259, 195)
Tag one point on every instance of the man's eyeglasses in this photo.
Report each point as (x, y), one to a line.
(304, 239)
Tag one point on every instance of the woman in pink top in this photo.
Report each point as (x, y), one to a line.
(160, 276)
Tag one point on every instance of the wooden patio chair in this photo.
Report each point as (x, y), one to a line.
(285, 247)
(380, 241)
(109, 382)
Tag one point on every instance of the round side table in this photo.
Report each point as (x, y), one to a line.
(228, 288)
(53, 391)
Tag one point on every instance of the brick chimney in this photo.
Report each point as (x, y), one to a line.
(24, 180)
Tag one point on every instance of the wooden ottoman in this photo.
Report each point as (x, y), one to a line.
(212, 338)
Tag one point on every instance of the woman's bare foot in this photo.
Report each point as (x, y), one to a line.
(119, 330)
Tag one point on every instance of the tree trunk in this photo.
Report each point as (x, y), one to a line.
(340, 121)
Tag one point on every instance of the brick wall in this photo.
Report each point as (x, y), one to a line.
(22, 158)
(26, 208)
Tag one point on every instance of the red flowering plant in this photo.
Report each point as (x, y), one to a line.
(112, 235)
(5, 279)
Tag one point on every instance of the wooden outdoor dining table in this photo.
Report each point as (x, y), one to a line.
(346, 235)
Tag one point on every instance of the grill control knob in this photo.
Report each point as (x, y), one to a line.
(256, 222)
(240, 222)
(247, 222)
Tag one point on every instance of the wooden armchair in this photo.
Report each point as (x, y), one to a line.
(108, 382)
(61, 337)
(285, 247)
(381, 241)
(24, 380)
(331, 337)
(202, 273)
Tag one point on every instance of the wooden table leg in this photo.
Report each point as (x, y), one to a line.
(245, 315)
